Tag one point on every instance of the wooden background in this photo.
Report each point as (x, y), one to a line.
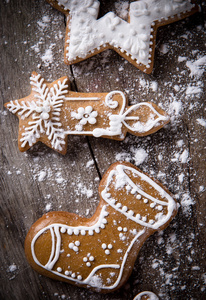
(171, 263)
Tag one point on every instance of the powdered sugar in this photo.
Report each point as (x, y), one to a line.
(197, 67)
(202, 122)
(71, 182)
(140, 156)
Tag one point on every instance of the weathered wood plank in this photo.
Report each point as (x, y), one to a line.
(171, 263)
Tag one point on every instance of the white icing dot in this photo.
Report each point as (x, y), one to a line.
(125, 229)
(119, 228)
(107, 252)
(75, 248)
(119, 250)
(83, 232)
(59, 269)
(79, 277)
(113, 201)
(91, 232)
(160, 207)
(133, 191)
(145, 200)
(66, 273)
(84, 259)
(104, 221)
(73, 275)
(69, 231)
(152, 205)
(76, 231)
(71, 245)
(151, 222)
(102, 226)
(104, 246)
(108, 195)
(124, 208)
(144, 219)
(121, 235)
(139, 197)
(110, 246)
(88, 264)
(63, 230)
(130, 213)
(138, 216)
(91, 258)
(97, 230)
(118, 205)
(77, 243)
(128, 187)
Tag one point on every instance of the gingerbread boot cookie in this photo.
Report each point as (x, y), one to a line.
(100, 252)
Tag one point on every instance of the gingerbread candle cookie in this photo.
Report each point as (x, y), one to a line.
(100, 252)
(52, 111)
(86, 35)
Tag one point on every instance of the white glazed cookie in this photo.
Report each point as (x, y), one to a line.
(52, 111)
(99, 253)
(134, 40)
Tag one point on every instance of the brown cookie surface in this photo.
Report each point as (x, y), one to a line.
(52, 112)
(99, 253)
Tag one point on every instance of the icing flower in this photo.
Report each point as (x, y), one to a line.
(85, 115)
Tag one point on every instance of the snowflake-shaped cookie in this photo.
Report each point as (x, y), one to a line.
(39, 114)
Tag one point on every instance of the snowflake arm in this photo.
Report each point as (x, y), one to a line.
(24, 110)
(38, 86)
(32, 133)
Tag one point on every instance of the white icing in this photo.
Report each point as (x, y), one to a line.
(117, 121)
(67, 274)
(49, 101)
(122, 179)
(54, 230)
(104, 246)
(82, 99)
(150, 295)
(85, 115)
(87, 33)
(46, 112)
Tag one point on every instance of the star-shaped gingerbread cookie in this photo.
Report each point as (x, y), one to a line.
(86, 35)
(52, 111)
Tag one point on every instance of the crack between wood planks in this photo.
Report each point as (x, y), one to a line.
(189, 167)
(200, 3)
(87, 138)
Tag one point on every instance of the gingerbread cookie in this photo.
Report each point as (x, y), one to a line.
(99, 253)
(52, 111)
(134, 40)
(146, 296)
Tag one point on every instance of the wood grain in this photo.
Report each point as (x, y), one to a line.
(171, 263)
